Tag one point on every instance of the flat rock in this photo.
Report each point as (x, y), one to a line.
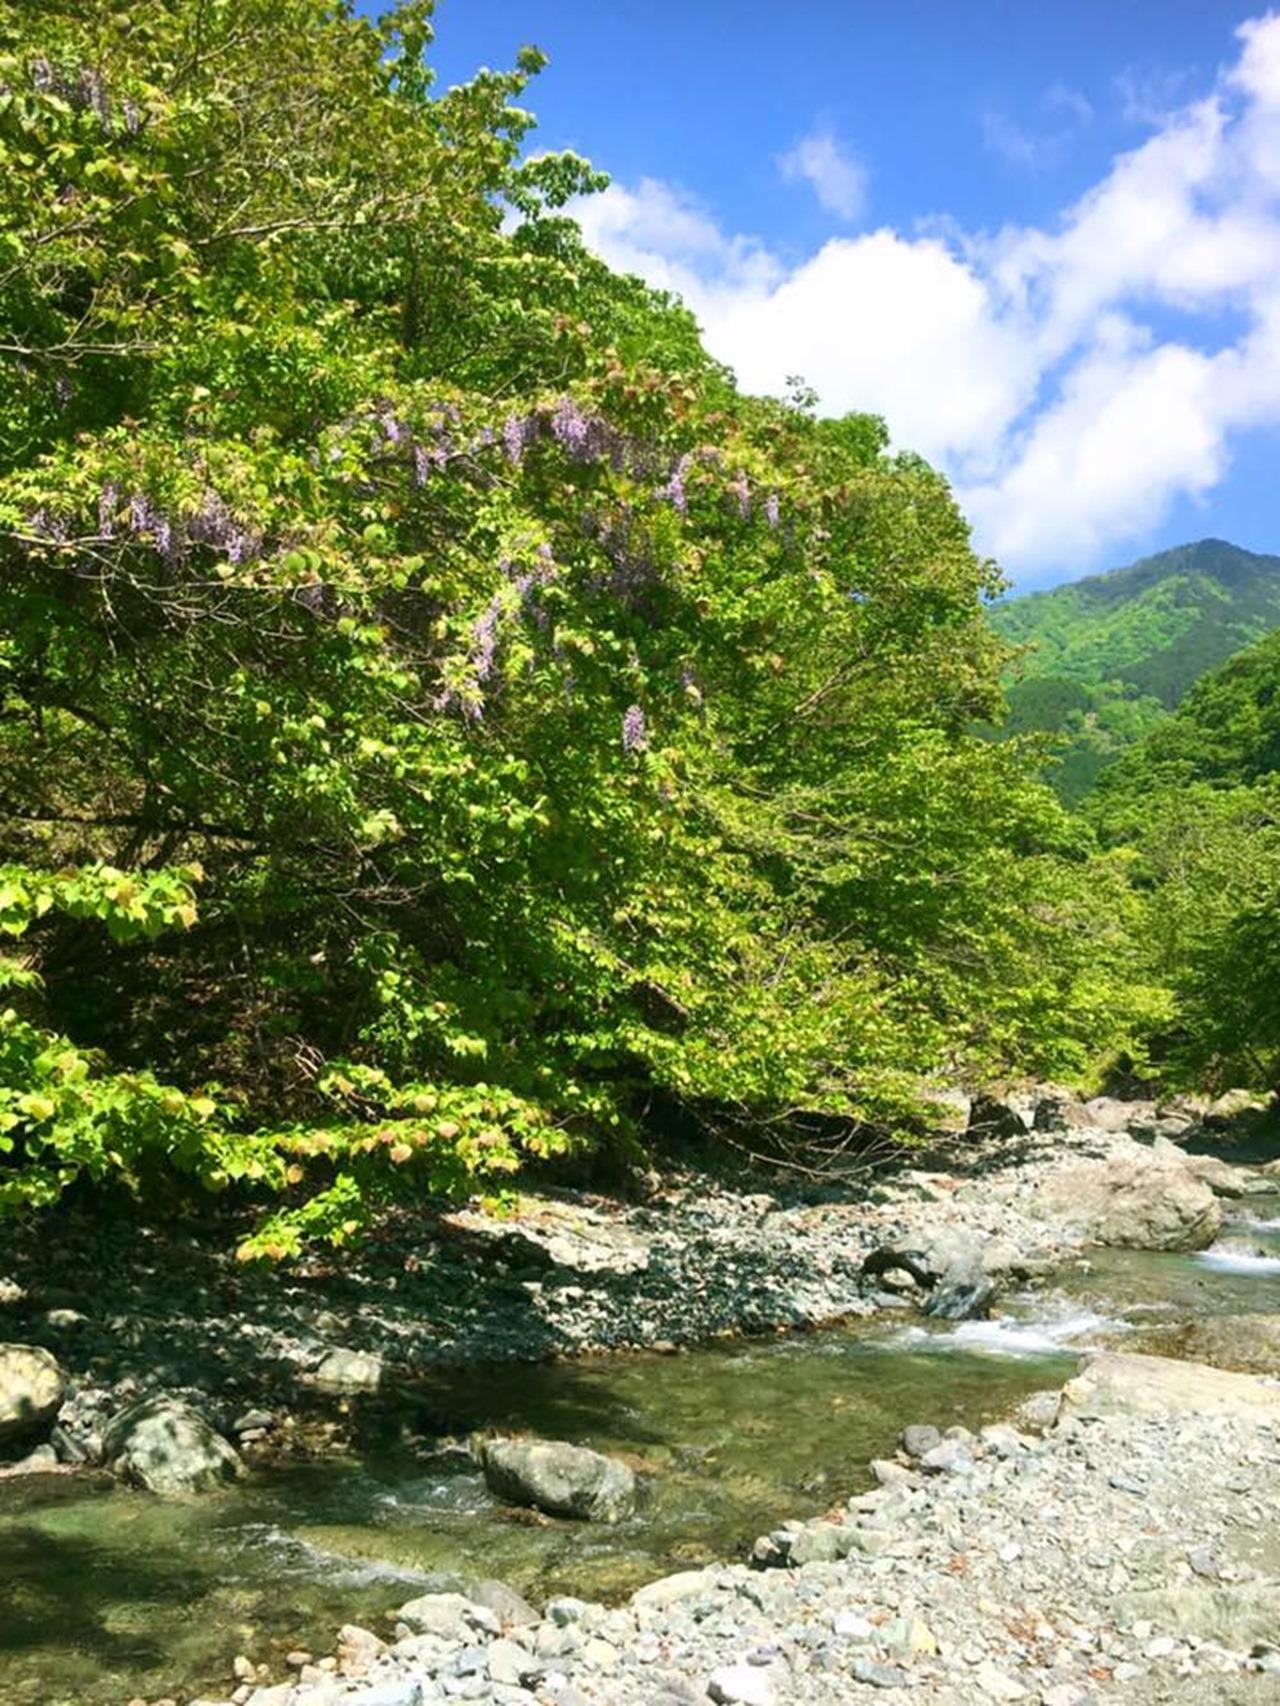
(670, 1590)
(556, 1235)
(511, 1609)
(1126, 1384)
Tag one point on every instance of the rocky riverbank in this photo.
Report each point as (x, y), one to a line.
(174, 1346)
(1114, 1541)
(132, 1310)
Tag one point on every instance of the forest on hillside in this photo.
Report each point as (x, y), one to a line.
(446, 723)
(1101, 662)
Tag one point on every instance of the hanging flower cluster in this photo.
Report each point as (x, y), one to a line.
(635, 731)
(515, 598)
(139, 517)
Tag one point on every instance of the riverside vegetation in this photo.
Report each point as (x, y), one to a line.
(453, 740)
(444, 719)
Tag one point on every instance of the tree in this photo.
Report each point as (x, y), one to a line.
(498, 719)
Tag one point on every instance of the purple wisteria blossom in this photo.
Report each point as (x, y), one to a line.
(421, 465)
(214, 524)
(515, 431)
(108, 504)
(582, 437)
(635, 733)
(46, 526)
(771, 510)
(674, 491)
(485, 638)
(742, 492)
(394, 428)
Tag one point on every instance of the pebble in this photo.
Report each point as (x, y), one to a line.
(878, 1675)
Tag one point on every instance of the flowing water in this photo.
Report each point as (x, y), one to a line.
(107, 1594)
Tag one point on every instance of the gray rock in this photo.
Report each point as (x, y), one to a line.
(31, 1388)
(667, 1591)
(447, 1615)
(1126, 1384)
(919, 1438)
(395, 1691)
(357, 1650)
(1248, 1343)
(168, 1447)
(343, 1371)
(1109, 1113)
(511, 1610)
(1060, 1111)
(563, 1480)
(1133, 1199)
(510, 1663)
(557, 1235)
(951, 1457)
(819, 1543)
(1237, 1616)
(42, 1461)
(948, 1262)
(878, 1675)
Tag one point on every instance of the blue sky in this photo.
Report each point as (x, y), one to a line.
(1043, 240)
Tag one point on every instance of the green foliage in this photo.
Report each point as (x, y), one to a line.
(1199, 803)
(545, 725)
(1109, 656)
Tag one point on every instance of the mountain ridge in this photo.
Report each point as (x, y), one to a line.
(1107, 657)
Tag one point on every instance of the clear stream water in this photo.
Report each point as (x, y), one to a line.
(107, 1594)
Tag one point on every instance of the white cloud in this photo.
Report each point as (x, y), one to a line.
(1036, 364)
(1033, 150)
(1015, 143)
(838, 180)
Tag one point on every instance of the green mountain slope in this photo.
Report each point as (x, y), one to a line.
(1226, 732)
(1111, 655)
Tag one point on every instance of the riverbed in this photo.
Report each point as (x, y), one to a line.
(110, 1595)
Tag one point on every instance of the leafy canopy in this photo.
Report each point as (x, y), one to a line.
(441, 715)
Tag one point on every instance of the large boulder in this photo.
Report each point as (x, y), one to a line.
(1133, 1199)
(1222, 1178)
(31, 1388)
(563, 1480)
(550, 1234)
(167, 1446)
(949, 1263)
(1110, 1113)
(1126, 1384)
